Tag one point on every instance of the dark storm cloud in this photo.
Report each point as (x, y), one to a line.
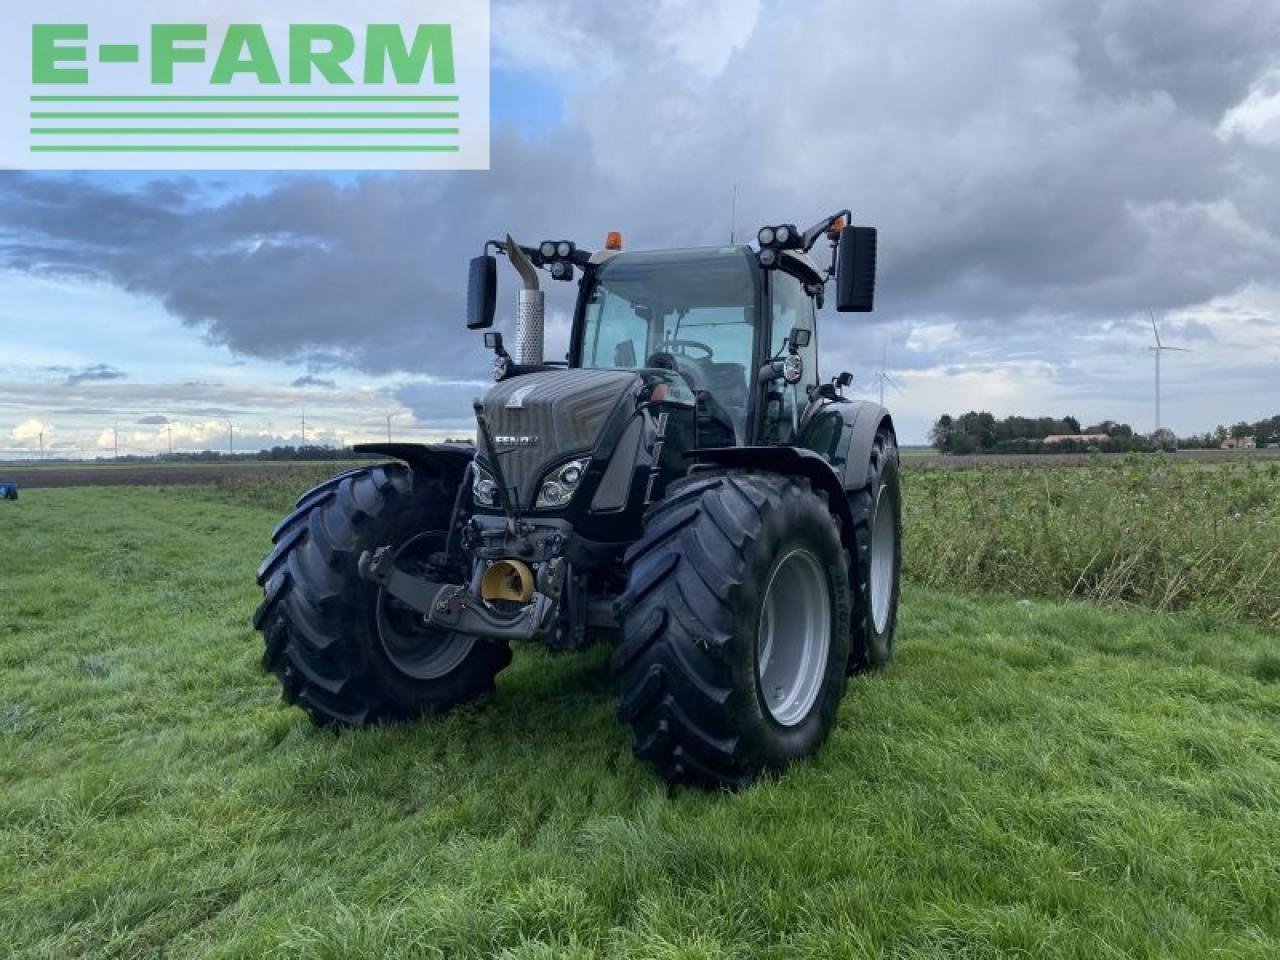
(443, 405)
(1037, 172)
(1205, 56)
(314, 381)
(96, 373)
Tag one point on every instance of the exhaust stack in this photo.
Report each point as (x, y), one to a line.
(530, 309)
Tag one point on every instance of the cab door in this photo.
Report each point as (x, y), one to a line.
(784, 404)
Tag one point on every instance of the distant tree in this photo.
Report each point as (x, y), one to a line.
(1110, 428)
(940, 434)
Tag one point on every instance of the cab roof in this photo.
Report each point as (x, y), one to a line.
(797, 263)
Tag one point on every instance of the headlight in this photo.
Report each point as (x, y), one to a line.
(765, 236)
(782, 235)
(558, 486)
(484, 489)
(564, 249)
(547, 249)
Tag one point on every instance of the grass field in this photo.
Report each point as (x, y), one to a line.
(1144, 531)
(1029, 778)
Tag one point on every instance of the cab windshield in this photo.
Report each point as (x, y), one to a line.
(692, 311)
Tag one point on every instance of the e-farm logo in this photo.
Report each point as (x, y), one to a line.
(189, 84)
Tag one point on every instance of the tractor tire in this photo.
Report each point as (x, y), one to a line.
(735, 628)
(342, 650)
(877, 547)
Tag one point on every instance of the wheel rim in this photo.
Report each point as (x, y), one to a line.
(416, 650)
(884, 555)
(794, 637)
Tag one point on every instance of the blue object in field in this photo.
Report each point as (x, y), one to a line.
(8, 491)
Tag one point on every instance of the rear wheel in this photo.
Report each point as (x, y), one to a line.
(735, 628)
(877, 534)
(342, 649)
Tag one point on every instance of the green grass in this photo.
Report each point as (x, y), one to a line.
(1028, 779)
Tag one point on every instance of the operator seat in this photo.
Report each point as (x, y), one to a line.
(725, 384)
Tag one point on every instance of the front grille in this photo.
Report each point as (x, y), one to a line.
(542, 418)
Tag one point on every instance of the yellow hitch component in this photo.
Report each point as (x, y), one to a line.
(507, 580)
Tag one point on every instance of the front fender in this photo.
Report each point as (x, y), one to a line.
(791, 461)
(448, 461)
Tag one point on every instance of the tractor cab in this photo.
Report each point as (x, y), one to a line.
(713, 348)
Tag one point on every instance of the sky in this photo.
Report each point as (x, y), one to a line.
(1044, 178)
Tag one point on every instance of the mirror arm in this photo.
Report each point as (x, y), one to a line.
(822, 226)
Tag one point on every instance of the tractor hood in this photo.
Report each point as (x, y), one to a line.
(541, 419)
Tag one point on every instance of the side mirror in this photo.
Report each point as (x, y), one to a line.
(799, 338)
(844, 380)
(482, 292)
(856, 270)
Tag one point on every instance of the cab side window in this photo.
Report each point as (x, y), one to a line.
(792, 307)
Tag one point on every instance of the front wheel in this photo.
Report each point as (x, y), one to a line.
(342, 649)
(735, 628)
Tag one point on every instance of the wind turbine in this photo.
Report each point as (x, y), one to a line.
(1158, 349)
(882, 377)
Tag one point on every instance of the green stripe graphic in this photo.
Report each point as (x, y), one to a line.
(238, 131)
(245, 99)
(244, 148)
(239, 115)
(72, 108)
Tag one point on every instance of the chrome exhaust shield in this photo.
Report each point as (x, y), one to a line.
(530, 327)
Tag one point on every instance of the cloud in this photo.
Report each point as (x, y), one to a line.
(1257, 117)
(444, 404)
(28, 433)
(96, 372)
(314, 381)
(199, 414)
(1041, 174)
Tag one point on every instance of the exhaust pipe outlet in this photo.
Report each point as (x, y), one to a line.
(530, 309)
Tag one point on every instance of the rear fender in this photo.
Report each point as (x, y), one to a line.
(863, 420)
(448, 461)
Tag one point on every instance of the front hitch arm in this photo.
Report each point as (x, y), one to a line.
(449, 606)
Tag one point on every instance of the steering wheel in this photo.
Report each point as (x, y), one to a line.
(682, 346)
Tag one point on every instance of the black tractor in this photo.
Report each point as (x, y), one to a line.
(684, 484)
